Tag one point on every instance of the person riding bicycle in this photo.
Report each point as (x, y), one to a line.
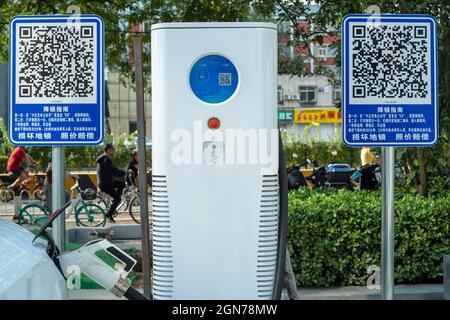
(106, 172)
(16, 171)
(133, 166)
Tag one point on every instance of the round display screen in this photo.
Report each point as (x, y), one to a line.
(213, 79)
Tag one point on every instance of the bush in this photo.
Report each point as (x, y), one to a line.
(3, 162)
(334, 236)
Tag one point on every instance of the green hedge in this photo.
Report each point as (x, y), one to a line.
(334, 236)
(3, 162)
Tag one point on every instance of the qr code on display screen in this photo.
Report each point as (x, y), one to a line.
(56, 62)
(390, 62)
(225, 79)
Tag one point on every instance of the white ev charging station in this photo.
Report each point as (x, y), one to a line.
(218, 231)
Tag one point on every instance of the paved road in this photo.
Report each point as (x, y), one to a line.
(7, 212)
(402, 292)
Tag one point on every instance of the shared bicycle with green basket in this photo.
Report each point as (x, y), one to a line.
(87, 213)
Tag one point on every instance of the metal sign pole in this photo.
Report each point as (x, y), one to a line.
(140, 112)
(58, 196)
(387, 221)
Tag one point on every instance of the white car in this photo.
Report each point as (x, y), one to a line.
(26, 270)
(32, 268)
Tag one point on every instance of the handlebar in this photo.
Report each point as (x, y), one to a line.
(76, 186)
(32, 168)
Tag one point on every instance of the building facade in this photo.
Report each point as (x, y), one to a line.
(309, 101)
(122, 107)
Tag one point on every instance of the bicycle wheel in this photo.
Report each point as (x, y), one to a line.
(135, 209)
(38, 193)
(34, 213)
(6, 195)
(25, 195)
(90, 215)
(3, 189)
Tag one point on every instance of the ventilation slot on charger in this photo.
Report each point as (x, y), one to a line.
(162, 240)
(267, 237)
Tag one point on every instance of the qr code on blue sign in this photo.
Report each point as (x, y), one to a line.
(55, 62)
(390, 63)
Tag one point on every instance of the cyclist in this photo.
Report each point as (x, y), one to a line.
(18, 173)
(107, 174)
(133, 166)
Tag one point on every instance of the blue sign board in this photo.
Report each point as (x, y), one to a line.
(213, 79)
(56, 82)
(390, 80)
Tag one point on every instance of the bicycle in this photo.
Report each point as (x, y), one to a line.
(129, 201)
(23, 191)
(87, 214)
(7, 194)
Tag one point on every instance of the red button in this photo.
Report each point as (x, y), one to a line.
(214, 123)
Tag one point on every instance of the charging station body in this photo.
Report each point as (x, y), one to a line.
(215, 210)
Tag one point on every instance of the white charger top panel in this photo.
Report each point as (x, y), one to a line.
(209, 25)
